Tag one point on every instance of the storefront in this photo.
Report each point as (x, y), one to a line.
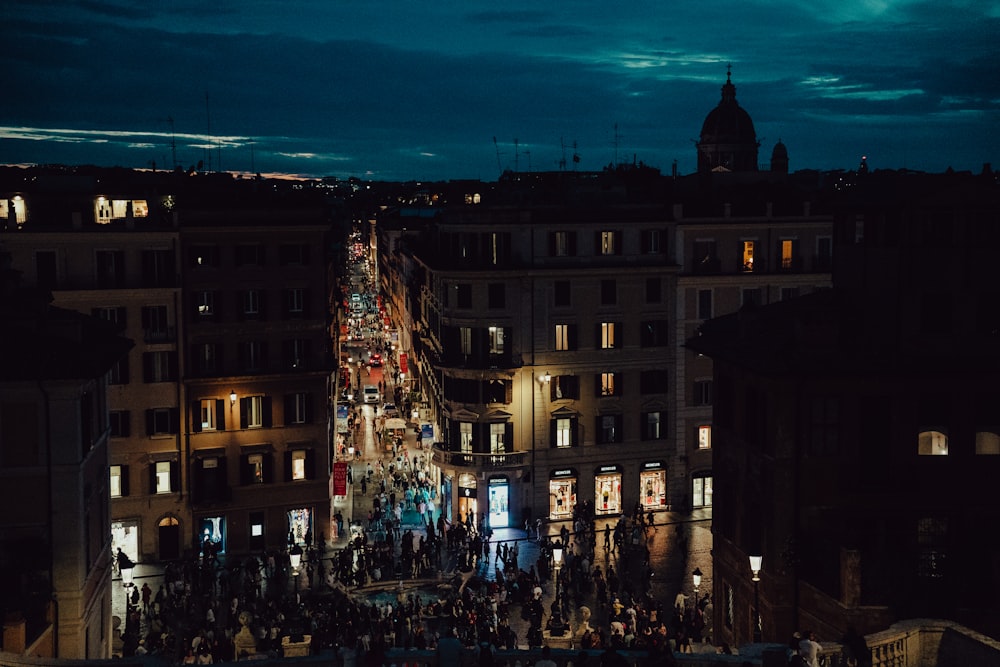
(125, 536)
(608, 490)
(299, 525)
(653, 485)
(212, 533)
(562, 493)
(499, 491)
(467, 505)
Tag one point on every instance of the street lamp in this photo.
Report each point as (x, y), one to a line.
(557, 628)
(755, 562)
(232, 397)
(696, 575)
(126, 569)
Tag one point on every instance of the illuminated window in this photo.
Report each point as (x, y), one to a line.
(254, 406)
(255, 463)
(704, 437)
(206, 303)
(116, 482)
(987, 443)
(607, 384)
(465, 434)
(496, 340)
(607, 245)
(207, 409)
(563, 337)
(932, 443)
(162, 476)
(497, 438)
(299, 464)
(748, 247)
(608, 336)
(788, 252)
(564, 432)
(701, 491)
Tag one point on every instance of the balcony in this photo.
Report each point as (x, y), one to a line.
(160, 335)
(477, 461)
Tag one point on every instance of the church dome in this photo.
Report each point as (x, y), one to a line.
(728, 139)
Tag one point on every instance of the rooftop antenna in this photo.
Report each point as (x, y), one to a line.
(208, 131)
(576, 156)
(516, 156)
(616, 145)
(527, 154)
(497, 147)
(173, 142)
(562, 161)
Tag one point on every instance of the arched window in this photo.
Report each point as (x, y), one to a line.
(987, 443)
(932, 443)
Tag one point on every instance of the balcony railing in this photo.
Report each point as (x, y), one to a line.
(480, 461)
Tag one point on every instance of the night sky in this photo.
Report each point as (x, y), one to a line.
(410, 90)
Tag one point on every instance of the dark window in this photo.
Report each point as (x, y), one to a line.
(298, 408)
(562, 244)
(704, 304)
(295, 353)
(609, 292)
(752, 296)
(654, 381)
(158, 268)
(561, 293)
(654, 290)
(654, 334)
(703, 392)
(250, 254)
(210, 481)
(609, 429)
(564, 386)
(155, 327)
(204, 255)
(824, 426)
(110, 268)
(119, 372)
(464, 297)
(159, 366)
(119, 422)
(293, 254)
(497, 295)
(653, 425)
(162, 421)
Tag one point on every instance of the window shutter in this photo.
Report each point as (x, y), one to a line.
(508, 437)
(619, 335)
(175, 420)
(147, 366)
(241, 305)
(571, 336)
(288, 465)
(289, 409)
(221, 480)
(597, 385)
(244, 470)
(552, 244)
(123, 480)
(145, 317)
(307, 401)
(244, 413)
(455, 441)
(552, 433)
(598, 248)
(152, 477)
(220, 415)
(267, 464)
(305, 303)
(571, 243)
(508, 388)
(126, 427)
(618, 243)
(149, 422)
(175, 477)
(310, 464)
(574, 432)
(266, 410)
(196, 416)
(598, 431)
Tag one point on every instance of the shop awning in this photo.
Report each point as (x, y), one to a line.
(395, 423)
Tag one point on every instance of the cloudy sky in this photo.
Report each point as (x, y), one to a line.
(441, 89)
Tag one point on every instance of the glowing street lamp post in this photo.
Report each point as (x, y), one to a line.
(696, 576)
(755, 562)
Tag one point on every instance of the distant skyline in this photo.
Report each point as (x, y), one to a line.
(402, 90)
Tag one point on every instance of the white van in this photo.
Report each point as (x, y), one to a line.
(371, 394)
